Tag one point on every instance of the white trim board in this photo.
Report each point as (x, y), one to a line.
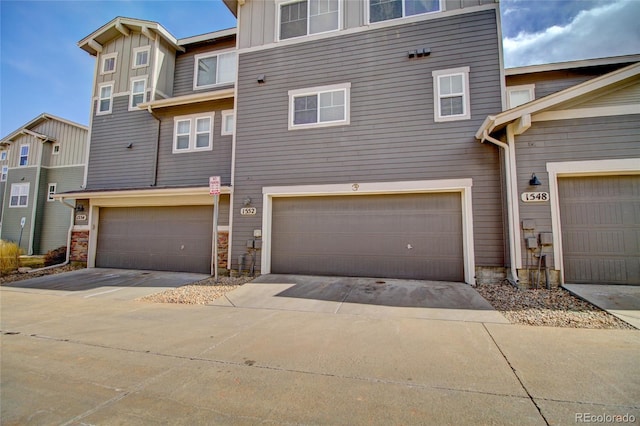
(463, 186)
(579, 168)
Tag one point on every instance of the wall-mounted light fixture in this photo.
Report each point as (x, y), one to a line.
(80, 208)
(247, 201)
(130, 146)
(261, 79)
(418, 53)
(534, 181)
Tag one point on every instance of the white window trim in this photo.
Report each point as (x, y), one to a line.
(20, 155)
(528, 87)
(100, 86)
(368, 13)
(53, 149)
(104, 58)
(193, 120)
(133, 81)
(4, 155)
(466, 98)
(197, 58)
(16, 186)
(49, 193)
(135, 56)
(4, 172)
(223, 130)
(346, 87)
(280, 3)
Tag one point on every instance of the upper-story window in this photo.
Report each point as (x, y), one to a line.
(108, 63)
(4, 173)
(519, 95)
(303, 17)
(212, 69)
(384, 10)
(193, 133)
(319, 106)
(24, 155)
(138, 91)
(51, 190)
(105, 98)
(56, 149)
(227, 122)
(141, 57)
(19, 195)
(3, 155)
(451, 94)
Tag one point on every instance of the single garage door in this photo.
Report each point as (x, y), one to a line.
(600, 219)
(416, 236)
(156, 238)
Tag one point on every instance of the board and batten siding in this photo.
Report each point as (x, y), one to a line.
(185, 63)
(164, 65)
(112, 164)
(194, 168)
(260, 18)
(598, 138)
(392, 135)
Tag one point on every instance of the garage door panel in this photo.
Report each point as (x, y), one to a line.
(401, 236)
(157, 238)
(600, 219)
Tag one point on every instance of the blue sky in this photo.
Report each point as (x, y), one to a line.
(43, 70)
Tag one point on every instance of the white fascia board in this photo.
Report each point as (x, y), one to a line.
(140, 193)
(190, 99)
(585, 63)
(208, 36)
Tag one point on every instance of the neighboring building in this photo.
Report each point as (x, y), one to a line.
(580, 136)
(44, 157)
(161, 125)
(355, 138)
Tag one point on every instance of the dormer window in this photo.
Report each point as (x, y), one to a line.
(384, 10)
(304, 17)
(109, 63)
(212, 69)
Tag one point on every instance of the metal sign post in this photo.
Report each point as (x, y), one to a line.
(214, 189)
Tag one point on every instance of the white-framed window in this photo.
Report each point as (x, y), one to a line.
(19, 195)
(193, 133)
(109, 63)
(4, 173)
(55, 149)
(24, 155)
(140, 57)
(519, 95)
(299, 18)
(3, 155)
(384, 10)
(138, 92)
(51, 190)
(319, 106)
(451, 94)
(105, 98)
(228, 122)
(212, 69)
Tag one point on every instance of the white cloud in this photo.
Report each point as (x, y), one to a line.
(609, 30)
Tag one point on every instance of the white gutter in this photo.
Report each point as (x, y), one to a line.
(513, 279)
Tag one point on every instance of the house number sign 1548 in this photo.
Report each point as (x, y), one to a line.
(533, 197)
(248, 211)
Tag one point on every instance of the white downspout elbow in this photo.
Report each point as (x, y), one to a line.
(513, 278)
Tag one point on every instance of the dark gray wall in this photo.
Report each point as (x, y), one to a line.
(392, 135)
(569, 140)
(12, 215)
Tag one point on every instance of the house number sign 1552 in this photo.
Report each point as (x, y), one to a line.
(248, 211)
(533, 197)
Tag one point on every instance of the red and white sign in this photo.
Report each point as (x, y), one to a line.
(214, 185)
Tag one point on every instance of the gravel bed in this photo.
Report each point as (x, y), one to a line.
(554, 308)
(198, 293)
(19, 276)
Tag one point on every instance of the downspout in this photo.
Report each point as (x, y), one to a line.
(157, 148)
(513, 277)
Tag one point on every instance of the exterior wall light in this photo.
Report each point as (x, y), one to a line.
(534, 181)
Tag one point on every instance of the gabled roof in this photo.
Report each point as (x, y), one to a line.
(585, 63)
(233, 5)
(618, 77)
(208, 37)
(120, 26)
(27, 128)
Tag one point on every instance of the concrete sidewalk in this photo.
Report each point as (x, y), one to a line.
(98, 361)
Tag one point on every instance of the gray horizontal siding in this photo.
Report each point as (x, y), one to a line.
(194, 168)
(392, 135)
(569, 140)
(113, 165)
(12, 215)
(185, 62)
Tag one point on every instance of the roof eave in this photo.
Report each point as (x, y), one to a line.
(189, 99)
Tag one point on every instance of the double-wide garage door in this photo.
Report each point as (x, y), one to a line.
(600, 219)
(156, 238)
(415, 236)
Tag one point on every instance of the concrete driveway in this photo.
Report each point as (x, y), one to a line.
(622, 301)
(364, 296)
(120, 284)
